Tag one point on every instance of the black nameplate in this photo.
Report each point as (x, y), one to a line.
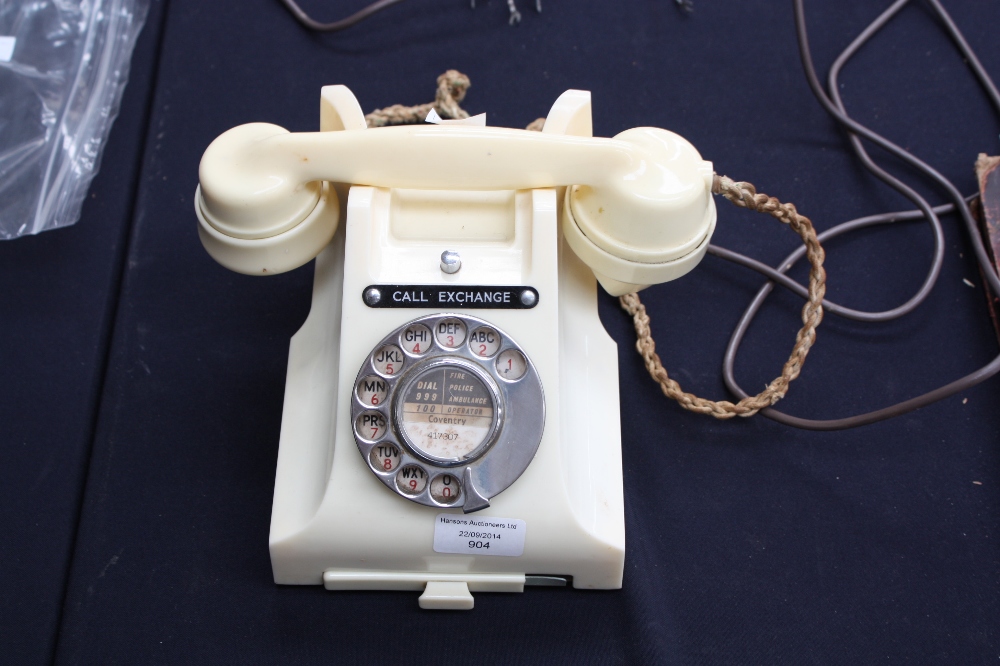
(444, 297)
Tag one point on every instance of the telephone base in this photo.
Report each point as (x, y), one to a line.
(453, 360)
(330, 513)
(338, 519)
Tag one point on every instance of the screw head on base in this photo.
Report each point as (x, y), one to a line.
(372, 296)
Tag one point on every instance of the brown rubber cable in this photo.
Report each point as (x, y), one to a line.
(336, 26)
(834, 106)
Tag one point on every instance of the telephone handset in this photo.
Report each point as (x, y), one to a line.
(639, 209)
(453, 340)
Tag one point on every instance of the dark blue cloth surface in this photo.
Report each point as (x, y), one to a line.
(143, 402)
(58, 297)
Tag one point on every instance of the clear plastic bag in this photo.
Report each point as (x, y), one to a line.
(63, 67)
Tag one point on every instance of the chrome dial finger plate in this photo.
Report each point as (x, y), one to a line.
(440, 417)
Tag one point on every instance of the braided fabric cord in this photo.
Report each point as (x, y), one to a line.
(744, 195)
(452, 86)
(451, 89)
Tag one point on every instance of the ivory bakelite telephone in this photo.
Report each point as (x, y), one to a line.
(451, 416)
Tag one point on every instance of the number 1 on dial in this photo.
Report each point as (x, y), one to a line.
(511, 364)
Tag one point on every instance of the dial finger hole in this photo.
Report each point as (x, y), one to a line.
(384, 457)
(484, 342)
(445, 489)
(370, 426)
(416, 339)
(372, 390)
(450, 332)
(411, 480)
(388, 360)
(511, 365)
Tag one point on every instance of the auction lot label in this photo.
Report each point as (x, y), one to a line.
(478, 535)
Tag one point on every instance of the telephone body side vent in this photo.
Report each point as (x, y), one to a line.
(334, 521)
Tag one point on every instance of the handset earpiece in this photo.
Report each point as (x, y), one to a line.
(260, 237)
(639, 206)
(249, 238)
(648, 224)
